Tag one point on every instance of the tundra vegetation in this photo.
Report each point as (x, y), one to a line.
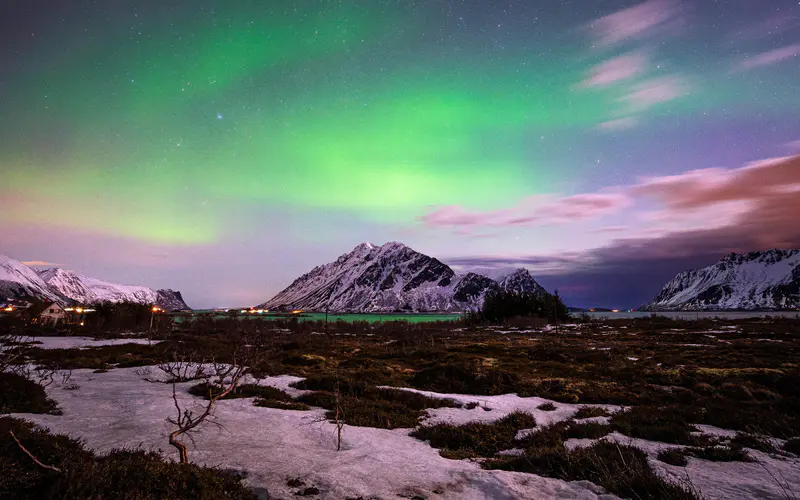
(669, 375)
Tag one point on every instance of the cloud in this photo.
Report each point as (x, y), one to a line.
(654, 91)
(793, 145)
(702, 188)
(533, 211)
(618, 124)
(769, 58)
(763, 196)
(639, 21)
(617, 69)
(38, 263)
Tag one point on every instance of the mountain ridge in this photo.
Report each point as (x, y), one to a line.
(758, 280)
(18, 281)
(391, 277)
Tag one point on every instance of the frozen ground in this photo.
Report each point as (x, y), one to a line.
(82, 342)
(120, 409)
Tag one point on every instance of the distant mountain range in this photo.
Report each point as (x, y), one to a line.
(768, 280)
(390, 278)
(18, 281)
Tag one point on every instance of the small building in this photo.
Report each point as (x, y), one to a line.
(47, 313)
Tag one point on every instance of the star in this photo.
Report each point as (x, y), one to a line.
(219, 116)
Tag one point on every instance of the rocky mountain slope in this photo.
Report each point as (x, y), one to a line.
(752, 281)
(66, 287)
(387, 278)
(19, 281)
(521, 281)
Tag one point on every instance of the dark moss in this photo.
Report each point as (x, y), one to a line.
(374, 407)
(591, 411)
(18, 394)
(792, 446)
(622, 470)
(476, 439)
(673, 456)
(204, 390)
(754, 442)
(120, 474)
(656, 423)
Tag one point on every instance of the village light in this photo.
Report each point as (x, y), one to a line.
(156, 309)
(8, 309)
(78, 310)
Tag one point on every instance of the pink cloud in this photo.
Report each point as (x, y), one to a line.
(654, 91)
(769, 58)
(702, 188)
(638, 21)
(617, 69)
(534, 211)
(38, 263)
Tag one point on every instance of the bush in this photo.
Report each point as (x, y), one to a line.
(476, 439)
(754, 442)
(664, 424)
(374, 407)
(792, 446)
(21, 395)
(546, 407)
(120, 474)
(591, 411)
(622, 470)
(243, 391)
(674, 456)
(459, 378)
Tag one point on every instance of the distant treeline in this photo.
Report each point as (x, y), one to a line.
(500, 306)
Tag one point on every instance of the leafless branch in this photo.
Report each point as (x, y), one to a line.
(40, 464)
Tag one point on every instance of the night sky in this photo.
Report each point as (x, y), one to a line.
(225, 148)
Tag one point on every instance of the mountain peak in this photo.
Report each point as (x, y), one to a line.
(392, 277)
(62, 286)
(748, 281)
(521, 281)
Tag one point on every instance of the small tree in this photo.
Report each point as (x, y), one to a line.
(221, 377)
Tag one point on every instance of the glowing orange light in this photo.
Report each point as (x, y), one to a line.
(8, 309)
(78, 310)
(156, 309)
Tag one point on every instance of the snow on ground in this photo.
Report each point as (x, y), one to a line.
(499, 407)
(82, 342)
(119, 409)
(769, 477)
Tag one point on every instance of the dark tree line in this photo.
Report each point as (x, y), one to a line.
(500, 306)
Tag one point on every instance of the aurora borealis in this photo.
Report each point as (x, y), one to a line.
(224, 148)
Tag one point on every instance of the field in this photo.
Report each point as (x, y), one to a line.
(639, 408)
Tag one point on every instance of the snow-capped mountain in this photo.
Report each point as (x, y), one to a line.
(65, 287)
(521, 281)
(392, 277)
(756, 280)
(85, 290)
(19, 281)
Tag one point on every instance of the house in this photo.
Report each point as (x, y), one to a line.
(47, 313)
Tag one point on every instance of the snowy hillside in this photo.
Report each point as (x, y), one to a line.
(756, 280)
(392, 277)
(19, 281)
